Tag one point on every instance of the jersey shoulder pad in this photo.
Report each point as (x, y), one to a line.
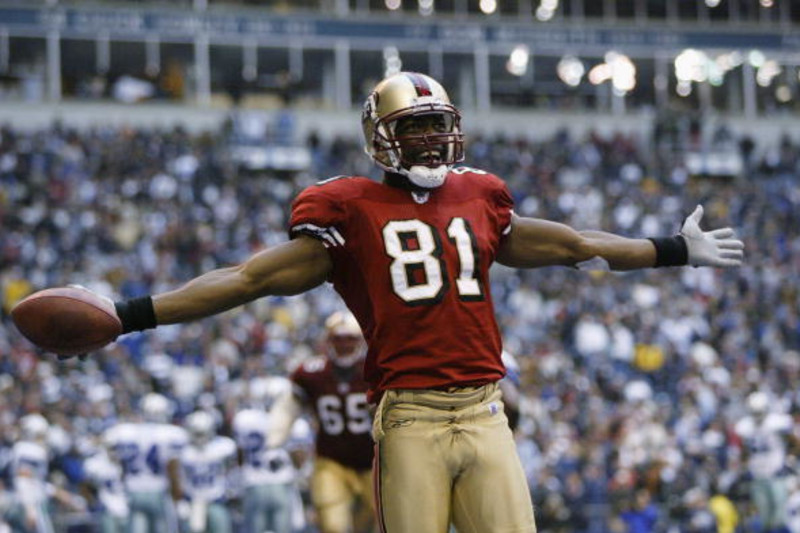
(224, 446)
(178, 433)
(123, 431)
(338, 187)
(476, 176)
(247, 418)
(473, 182)
(320, 211)
(341, 183)
(313, 365)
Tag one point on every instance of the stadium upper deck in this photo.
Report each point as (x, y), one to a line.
(731, 56)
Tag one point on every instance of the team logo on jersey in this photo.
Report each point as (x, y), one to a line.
(420, 197)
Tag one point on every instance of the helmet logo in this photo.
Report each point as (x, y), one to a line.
(420, 84)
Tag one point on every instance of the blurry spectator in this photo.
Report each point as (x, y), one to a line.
(642, 515)
(725, 513)
(86, 205)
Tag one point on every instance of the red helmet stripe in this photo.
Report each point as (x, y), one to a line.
(420, 84)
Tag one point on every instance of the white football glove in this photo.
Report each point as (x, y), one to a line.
(717, 248)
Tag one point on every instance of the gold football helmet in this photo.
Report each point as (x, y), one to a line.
(344, 338)
(424, 155)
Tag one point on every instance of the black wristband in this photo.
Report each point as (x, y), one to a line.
(670, 251)
(136, 314)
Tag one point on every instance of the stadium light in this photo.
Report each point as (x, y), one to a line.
(767, 72)
(619, 69)
(392, 64)
(543, 14)
(517, 63)
(691, 65)
(729, 61)
(425, 7)
(488, 6)
(570, 70)
(599, 74)
(712, 3)
(783, 94)
(756, 58)
(393, 5)
(546, 10)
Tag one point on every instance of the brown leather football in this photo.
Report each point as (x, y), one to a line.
(67, 320)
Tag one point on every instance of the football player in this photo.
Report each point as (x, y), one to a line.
(410, 256)
(268, 473)
(205, 465)
(103, 481)
(29, 468)
(148, 452)
(333, 387)
(765, 432)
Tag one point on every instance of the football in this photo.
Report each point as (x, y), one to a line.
(67, 320)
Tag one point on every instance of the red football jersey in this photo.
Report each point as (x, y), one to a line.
(338, 397)
(414, 270)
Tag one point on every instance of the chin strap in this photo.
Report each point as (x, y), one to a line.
(426, 177)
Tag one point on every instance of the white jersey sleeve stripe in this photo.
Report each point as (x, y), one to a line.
(329, 235)
(336, 235)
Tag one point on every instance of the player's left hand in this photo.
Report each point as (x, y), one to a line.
(717, 248)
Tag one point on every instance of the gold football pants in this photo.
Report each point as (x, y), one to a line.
(342, 497)
(445, 456)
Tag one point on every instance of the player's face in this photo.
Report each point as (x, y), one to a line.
(345, 345)
(422, 138)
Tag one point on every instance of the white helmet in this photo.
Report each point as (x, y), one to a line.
(345, 340)
(425, 158)
(201, 427)
(33, 427)
(156, 408)
(758, 403)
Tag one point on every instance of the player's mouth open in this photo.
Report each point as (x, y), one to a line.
(429, 157)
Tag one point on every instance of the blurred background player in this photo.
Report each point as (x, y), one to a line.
(333, 387)
(29, 468)
(764, 431)
(103, 481)
(269, 476)
(205, 466)
(148, 454)
(29, 511)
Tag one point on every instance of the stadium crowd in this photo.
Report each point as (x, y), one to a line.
(653, 401)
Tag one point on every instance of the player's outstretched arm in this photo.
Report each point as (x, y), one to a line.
(289, 268)
(73, 320)
(534, 243)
